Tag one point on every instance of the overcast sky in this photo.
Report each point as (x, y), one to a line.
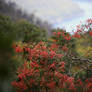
(61, 13)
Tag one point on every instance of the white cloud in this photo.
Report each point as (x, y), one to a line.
(71, 24)
(55, 11)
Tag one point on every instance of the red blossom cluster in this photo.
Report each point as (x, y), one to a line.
(65, 35)
(76, 35)
(45, 69)
(87, 26)
(18, 49)
(41, 68)
(90, 33)
(64, 48)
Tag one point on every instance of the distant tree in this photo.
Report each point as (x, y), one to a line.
(11, 9)
(29, 32)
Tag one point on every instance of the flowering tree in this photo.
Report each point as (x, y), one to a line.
(44, 69)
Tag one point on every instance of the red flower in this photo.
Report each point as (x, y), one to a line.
(89, 21)
(89, 85)
(52, 65)
(70, 80)
(67, 37)
(52, 54)
(44, 54)
(79, 82)
(27, 49)
(20, 85)
(51, 84)
(59, 75)
(31, 82)
(64, 48)
(54, 46)
(58, 33)
(18, 49)
(76, 35)
(62, 64)
(90, 33)
(34, 64)
(71, 87)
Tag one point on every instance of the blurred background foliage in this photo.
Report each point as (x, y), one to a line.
(22, 30)
(84, 46)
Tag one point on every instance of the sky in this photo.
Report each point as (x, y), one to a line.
(61, 13)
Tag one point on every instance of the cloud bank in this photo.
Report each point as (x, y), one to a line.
(54, 11)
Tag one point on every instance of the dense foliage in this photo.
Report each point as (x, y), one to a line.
(49, 66)
(62, 63)
(44, 69)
